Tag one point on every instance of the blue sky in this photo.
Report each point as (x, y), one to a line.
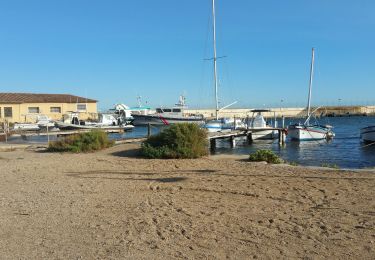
(115, 50)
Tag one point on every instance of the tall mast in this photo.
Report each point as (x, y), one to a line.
(215, 58)
(310, 83)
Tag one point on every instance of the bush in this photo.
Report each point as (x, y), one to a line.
(328, 165)
(265, 155)
(183, 140)
(83, 142)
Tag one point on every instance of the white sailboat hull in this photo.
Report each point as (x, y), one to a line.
(305, 133)
(368, 134)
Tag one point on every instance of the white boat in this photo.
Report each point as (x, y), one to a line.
(167, 116)
(42, 121)
(26, 127)
(223, 124)
(258, 126)
(307, 131)
(368, 134)
(71, 121)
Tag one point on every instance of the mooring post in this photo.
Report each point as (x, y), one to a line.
(47, 135)
(283, 137)
(232, 142)
(5, 131)
(148, 130)
(249, 137)
(212, 144)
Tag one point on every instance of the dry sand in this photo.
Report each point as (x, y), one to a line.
(111, 205)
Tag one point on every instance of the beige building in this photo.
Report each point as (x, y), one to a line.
(25, 107)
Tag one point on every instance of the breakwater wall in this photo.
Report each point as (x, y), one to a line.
(289, 112)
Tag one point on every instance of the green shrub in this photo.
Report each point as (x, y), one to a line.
(183, 140)
(265, 155)
(328, 165)
(82, 142)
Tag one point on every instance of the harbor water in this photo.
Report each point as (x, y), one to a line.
(345, 151)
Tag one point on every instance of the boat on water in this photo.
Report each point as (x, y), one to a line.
(258, 126)
(368, 134)
(71, 121)
(224, 125)
(167, 116)
(42, 122)
(307, 131)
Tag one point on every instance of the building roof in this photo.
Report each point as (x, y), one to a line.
(18, 98)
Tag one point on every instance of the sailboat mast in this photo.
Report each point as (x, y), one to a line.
(310, 83)
(214, 59)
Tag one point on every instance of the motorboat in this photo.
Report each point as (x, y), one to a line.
(368, 134)
(224, 125)
(259, 126)
(42, 121)
(307, 131)
(167, 116)
(71, 121)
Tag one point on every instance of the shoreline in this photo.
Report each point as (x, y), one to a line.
(40, 146)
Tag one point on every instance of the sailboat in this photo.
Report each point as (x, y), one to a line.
(223, 124)
(307, 131)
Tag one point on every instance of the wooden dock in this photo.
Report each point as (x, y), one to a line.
(231, 135)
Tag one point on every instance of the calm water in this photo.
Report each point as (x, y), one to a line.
(345, 150)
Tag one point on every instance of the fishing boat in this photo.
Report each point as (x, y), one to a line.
(218, 125)
(368, 134)
(167, 116)
(307, 131)
(259, 126)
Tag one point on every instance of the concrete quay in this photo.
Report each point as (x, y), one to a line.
(289, 112)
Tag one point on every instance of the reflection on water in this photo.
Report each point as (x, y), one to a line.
(345, 150)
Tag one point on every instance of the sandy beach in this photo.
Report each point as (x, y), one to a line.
(113, 205)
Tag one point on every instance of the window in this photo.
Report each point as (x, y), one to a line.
(55, 109)
(176, 110)
(167, 110)
(0, 112)
(81, 107)
(8, 112)
(33, 110)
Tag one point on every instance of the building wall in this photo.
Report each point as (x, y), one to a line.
(25, 113)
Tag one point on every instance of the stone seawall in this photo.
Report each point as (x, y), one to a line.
(288, 112)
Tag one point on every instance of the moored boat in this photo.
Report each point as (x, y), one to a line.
(258, 126)
(368, 134)
(167, 116)
(71, 121)
(307, 131)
